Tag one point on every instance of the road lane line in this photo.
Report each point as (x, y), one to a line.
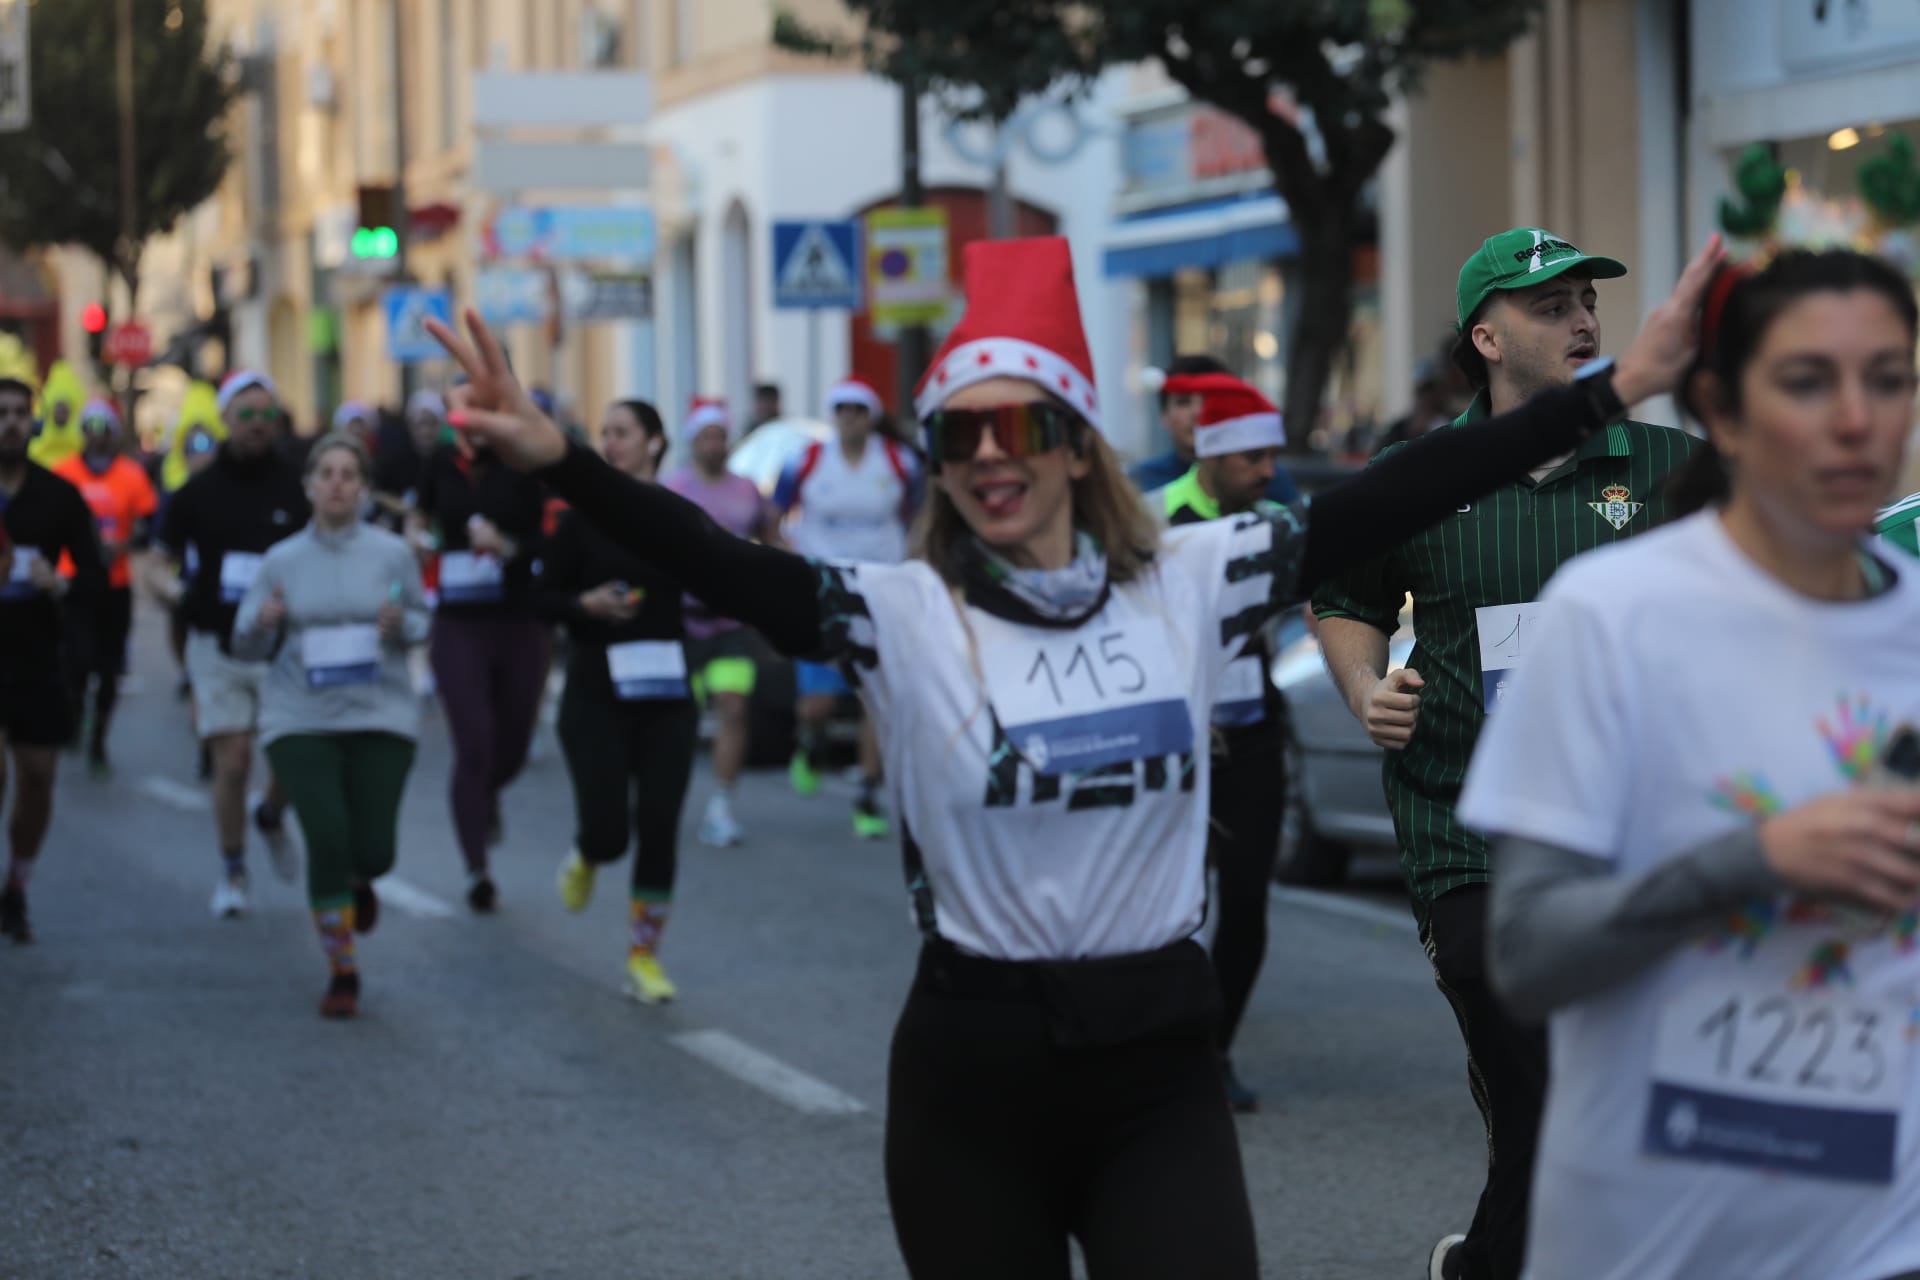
(175, 795)
(1334, 904)
(396, 892)
(768, 1074)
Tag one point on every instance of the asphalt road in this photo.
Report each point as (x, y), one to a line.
(171, 1105)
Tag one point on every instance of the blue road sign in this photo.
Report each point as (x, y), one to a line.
(816, 265)
(408, 310)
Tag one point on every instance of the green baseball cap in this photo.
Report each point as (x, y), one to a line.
(1519, 259)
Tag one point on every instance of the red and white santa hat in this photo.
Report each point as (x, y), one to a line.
(1234, 417)
(855, 391)
(1022, 321)
(701, 414)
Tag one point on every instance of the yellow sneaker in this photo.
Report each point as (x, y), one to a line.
(647, 982)
(575, 882)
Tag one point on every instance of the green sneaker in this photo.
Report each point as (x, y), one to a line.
(869, 823)
(99, 769)
(800, 772)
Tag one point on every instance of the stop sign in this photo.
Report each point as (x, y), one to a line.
(128, 343)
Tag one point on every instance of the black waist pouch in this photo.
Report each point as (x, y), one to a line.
(1165, 994)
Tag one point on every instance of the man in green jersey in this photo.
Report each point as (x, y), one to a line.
(1528, 321)
(1236, 441)
(1900, 524)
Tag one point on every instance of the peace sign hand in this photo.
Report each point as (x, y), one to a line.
(493, 407)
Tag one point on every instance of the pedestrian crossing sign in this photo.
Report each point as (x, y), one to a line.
(814, 265)
(408, 311)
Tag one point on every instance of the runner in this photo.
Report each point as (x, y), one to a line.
(1041, 681)
(42, 519)
(61, 397)
(224, 521)
(489, 648)
(197, 434)
(628, 723)
(1528, 323)
(334, 609)
(123, 502)
(1179, 418)
(1237, 437)
(720, 650)
(850, 503)
(1702, 794)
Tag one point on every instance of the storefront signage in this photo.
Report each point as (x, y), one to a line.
(1839, 33)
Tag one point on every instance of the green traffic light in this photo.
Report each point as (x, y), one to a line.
(375, 242)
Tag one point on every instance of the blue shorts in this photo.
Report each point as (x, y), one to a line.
(815, 678)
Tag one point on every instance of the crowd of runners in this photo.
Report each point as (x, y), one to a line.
(1657, 798)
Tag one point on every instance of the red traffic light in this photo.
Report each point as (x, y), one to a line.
(93, 317)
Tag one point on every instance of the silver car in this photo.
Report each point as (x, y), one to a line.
(1334, 800)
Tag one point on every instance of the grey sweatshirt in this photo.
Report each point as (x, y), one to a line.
(334, 582)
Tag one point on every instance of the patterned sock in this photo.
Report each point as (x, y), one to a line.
(336, 937)
(236, 863)
(810, 743)
(649, 916)
(19, 870)
(869, 792)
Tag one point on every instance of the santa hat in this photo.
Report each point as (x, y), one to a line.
(244, 380)
(1022, 321)
(701, 414)
(855, 391)
(1233, 416)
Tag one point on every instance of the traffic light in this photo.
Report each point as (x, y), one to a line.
(93, 318)
(375, 237)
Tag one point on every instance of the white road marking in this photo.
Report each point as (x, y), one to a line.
(176, 795)
(396, 892)
(768, 1074)
(1334, 904)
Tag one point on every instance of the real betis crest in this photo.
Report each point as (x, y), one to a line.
(1616, 506)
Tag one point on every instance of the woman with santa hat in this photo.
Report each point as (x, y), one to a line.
(1042, 676)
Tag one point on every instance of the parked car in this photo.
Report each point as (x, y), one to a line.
(1334, 798)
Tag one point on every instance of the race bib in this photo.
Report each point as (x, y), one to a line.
(1243, 693)
(19, 583)
(340, 655)
(1075, 700)
(238, 569)
(1505, 630)
(1806, 1083)
(469, 578)
(648, 670)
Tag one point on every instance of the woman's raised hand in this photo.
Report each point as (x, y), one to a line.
(493, 407)
(1661, 354)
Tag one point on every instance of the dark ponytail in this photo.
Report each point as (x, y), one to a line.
(1740, 306)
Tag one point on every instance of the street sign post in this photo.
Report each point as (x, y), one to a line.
(15, 93)
(129, 343)
(408, 310)
(816, 265)
(907, 266)
(608, 295)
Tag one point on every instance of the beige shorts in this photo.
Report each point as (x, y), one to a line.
(226, 692)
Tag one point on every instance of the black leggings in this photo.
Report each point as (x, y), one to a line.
(629, 763)
(1027, 1103)
(1249, 800)
(96, 651)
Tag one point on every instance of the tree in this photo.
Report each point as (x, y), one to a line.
(62, 174)
(1340, 62)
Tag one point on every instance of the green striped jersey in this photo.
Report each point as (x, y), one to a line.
(1900, 524)
(1498, 550)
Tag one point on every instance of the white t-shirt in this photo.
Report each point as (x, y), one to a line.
(1064, 814)
(847, 512)
(1676, 693)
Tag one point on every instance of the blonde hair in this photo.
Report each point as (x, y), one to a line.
(1105, 505)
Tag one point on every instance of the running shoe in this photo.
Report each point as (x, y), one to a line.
(1239, 1097)
(366, 908)
(343, 996)
(869, 823)
(1446, 1262)
(230, 899)
(13, 914)
(481, 895)
(576, 882)
(647, 982)
(281, 848)
(718, 829)
(800, 772)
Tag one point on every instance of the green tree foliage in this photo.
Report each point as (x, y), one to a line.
(1340, 61)
(62, 174)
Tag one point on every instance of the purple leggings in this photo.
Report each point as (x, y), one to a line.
(490, 670)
